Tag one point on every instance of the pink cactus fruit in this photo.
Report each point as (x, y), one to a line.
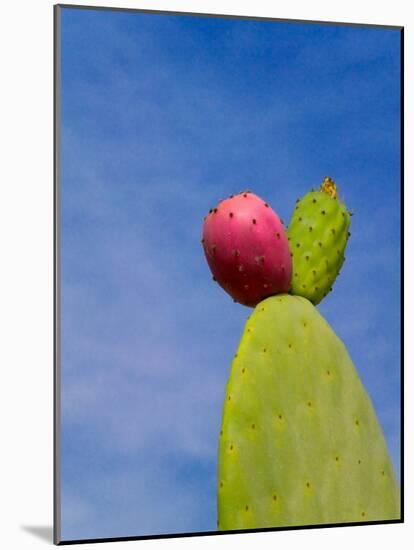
(247, 249)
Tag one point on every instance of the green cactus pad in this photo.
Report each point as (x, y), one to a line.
(318, 233)
(300, 443)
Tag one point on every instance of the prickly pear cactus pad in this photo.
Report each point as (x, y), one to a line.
(318, 233)
(300, 443)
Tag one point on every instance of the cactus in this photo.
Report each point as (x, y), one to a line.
(300, 443)
(318, 233)
(246, 249)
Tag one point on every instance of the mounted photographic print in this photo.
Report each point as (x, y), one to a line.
(228, 274)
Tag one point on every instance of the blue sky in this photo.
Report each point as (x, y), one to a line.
(161, 117)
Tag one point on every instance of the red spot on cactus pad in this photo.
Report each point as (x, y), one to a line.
(247, 280)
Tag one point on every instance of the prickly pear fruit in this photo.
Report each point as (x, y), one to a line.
(318, 233)
(300, 443)
(247, 249)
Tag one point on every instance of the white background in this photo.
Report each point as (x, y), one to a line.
(26, 292)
